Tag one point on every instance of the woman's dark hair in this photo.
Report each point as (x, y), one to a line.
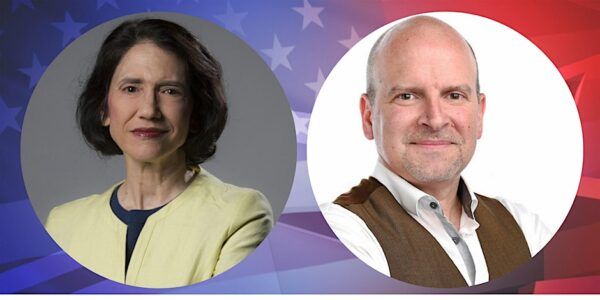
(203, 77)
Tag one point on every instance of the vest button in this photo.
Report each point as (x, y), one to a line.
(456, 239)
(433, 205)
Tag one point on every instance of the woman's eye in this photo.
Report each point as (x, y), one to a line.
(171, 92)
(130, 89)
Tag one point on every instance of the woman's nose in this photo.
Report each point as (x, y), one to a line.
(149, 106)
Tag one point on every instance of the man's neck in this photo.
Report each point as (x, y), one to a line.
(446, 193)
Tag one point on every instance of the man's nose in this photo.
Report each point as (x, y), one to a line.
(149, 106)
(434, 115)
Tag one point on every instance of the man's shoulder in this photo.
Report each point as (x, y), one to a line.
(495, 205)
(494, 202)
(481, 197)
(359, 193)
(501, 203)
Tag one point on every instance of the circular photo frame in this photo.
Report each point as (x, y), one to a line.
(257, 148)
(531, 150)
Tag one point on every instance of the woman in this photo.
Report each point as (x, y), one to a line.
(156, 96)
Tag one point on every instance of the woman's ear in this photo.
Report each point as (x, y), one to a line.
(104, 119)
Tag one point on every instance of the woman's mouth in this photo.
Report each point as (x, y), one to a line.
(148, 132)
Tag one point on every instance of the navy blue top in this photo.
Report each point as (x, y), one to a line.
(134, 219)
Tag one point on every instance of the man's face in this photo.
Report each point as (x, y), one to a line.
(426, 116)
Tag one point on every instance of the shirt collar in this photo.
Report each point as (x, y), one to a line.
(409, 196)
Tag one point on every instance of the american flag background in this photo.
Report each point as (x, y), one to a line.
(301, 41)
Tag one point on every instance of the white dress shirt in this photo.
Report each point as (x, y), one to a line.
(462, 247)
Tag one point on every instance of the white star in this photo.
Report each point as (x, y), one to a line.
(354, 38)
(232, 20)
(70, 29)
(301, 124)
(278, 54)
(100, 3)
(316, 86)
(34, 72)
(8, 116)
(17, 3)
(310, 14)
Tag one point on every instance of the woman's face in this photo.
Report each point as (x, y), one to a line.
(148, 104)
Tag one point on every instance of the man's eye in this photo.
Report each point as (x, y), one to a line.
(455, 96)
(406, 96)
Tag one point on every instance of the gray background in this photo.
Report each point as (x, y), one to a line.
(257, 148)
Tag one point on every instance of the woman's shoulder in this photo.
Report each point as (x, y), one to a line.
(78, 204)
(226, 194)
(78, 208)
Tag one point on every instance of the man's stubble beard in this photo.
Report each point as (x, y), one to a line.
(421, 170)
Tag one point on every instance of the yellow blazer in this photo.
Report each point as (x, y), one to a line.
(207, 229)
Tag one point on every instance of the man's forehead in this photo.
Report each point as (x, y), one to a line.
(420, 25)
(419, 31)
(412, 38)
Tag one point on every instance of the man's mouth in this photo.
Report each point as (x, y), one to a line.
(433, 142)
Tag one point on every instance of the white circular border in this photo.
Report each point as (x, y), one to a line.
(531, 151)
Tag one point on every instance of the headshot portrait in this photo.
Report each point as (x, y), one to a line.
(190, 150)
(435, 169)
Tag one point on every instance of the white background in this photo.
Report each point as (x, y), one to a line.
(531, 151)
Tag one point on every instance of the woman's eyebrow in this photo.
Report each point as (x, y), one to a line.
(172, 83)
(131, 80)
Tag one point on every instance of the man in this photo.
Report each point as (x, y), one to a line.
(415, 219)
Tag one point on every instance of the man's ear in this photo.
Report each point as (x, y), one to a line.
(480, 113)
(366, 111)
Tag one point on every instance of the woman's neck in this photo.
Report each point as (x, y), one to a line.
(150, 185)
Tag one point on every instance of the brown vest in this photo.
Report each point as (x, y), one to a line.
(414, 256)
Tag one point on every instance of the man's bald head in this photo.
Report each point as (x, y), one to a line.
(416, 28)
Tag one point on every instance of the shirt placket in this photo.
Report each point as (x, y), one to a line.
(454, 236)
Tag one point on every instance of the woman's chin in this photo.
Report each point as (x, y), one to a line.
(151, 157)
